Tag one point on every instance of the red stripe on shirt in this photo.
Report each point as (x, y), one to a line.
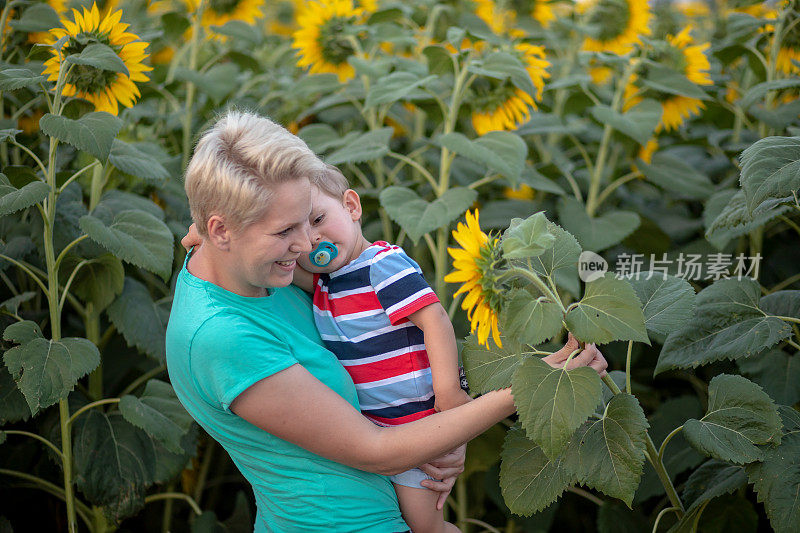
(401, 419)
(394, 366)
(413, 307)
(354, 303)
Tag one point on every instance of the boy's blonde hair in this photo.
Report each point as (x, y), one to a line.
(237, 163)
(332, 182)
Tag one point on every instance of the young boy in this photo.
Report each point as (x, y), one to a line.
(376, 312)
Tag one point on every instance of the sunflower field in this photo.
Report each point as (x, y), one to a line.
(624, 170)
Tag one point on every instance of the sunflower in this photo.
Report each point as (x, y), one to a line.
(694, 9)
(681, 55)
(500, 105)
(542, 13)
(320, 41)
(789, 50)
(523, 192)
(103, 88)
(474, 263)
(499, 20)
(619, 24)
(220, 12)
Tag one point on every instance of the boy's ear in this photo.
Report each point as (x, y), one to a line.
(218, 232)
(352, 202)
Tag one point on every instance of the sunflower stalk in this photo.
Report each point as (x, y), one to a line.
(616, 104)
(655, 460)
(194, 49)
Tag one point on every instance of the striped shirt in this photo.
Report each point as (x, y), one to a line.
(361, 312)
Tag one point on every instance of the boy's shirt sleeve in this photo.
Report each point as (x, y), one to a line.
(399, 284)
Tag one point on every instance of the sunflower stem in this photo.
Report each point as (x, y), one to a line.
(628, 388)
(536, 280)
(653, 457)
(194, 48)
(597, 175)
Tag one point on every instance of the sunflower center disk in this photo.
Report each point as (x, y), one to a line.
(86, 78)
(491, 94)
(488, 262)
(223, 6)
(610, 18)
(336, 48)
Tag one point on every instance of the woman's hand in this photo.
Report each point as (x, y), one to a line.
(590, 356)
(192, 238)
(446, 468)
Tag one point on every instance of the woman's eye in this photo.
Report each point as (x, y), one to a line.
(284, 233)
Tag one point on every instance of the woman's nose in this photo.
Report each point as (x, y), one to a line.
(304, 242)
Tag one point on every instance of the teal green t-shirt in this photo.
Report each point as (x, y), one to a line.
(218, 345)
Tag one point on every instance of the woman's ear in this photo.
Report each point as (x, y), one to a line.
(219, 234)
(352, 202)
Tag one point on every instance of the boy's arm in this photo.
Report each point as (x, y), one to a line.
(440, 343)
(303, 279)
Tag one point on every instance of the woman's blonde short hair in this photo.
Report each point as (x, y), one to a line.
(237, 163)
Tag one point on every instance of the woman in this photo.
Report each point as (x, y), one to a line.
(248, 364)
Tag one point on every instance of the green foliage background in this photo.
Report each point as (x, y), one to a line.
(695, 429)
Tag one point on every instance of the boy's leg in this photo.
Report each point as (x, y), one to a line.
(418, 506)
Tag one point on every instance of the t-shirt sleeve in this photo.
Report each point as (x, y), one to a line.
(229, 354)
(399, 284)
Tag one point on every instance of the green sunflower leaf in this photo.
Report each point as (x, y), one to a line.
(728, 324)
(12, 79)
(777, 372)
(609, 311)
(394, 87)
(100, 56)
(418, 216)
(667, 80)
(527, 238)
(596, 233)
(45, 370)
(553, 402)
(37, 18)
(114, 462)
(529, 480)
(13, 406)
(490, 368)
(159, 413)
(93, 132)
(776, 481)
(667, 302)
(530, 320)
(99, 281)
(13, 199)
(714, 478)
(501, 151)
(365, 147)
(638, 123)
(140, 320)
(758, 91)
(608, 454)
(770, 169)
(673, 174)
(127, 158)
(740, 418)
(136, 237)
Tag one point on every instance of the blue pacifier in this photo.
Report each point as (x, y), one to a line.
(323, 254)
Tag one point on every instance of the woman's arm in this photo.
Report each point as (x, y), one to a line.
(293, 405)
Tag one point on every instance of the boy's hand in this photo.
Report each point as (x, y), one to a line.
(446, 468)
(192, 238)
